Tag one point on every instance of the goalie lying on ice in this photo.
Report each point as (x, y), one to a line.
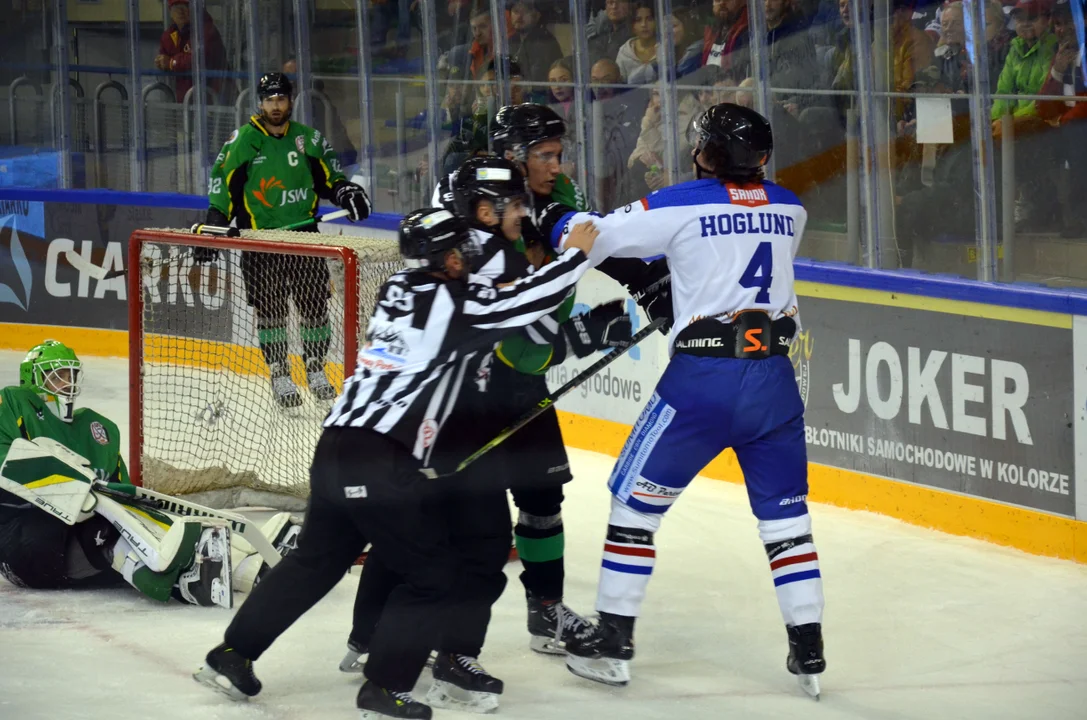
(68, 514)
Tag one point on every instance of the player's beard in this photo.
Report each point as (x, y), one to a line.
(278, 119)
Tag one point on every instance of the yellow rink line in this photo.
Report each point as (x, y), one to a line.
(1027, 530)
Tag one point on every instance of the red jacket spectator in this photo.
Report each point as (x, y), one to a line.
(724, 38)
(1065, 75)
(175, 52)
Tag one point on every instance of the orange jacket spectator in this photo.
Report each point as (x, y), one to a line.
(175, 51)
(727, 35)
(913, 53)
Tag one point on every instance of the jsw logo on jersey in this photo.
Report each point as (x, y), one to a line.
(289, 197)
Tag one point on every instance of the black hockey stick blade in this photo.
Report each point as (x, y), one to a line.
(551, 399)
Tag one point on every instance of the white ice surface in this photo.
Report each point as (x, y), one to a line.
(918, 625)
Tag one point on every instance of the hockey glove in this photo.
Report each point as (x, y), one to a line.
(352, 198)
(205, 255)
(605, 326)
(545, 220)
(654, 294)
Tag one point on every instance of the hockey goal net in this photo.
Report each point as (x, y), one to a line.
(206, 329)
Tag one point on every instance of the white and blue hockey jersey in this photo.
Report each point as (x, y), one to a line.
(729, 248)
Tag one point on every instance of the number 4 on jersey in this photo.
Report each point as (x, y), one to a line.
(760, 272)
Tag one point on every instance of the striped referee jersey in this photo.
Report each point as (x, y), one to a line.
(426, 336)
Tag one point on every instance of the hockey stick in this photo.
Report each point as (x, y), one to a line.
(549, 401)
(240, 525)
(324, 218)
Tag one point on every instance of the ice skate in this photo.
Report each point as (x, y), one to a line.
(283, 387)
(461, 683)
(805, 658)
(319, 386)
(355, 659)
(603, 652)
(208, 580)
(377, 703)
(226, 671)
(551, 623)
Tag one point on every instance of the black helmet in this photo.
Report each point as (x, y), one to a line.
(519, 127)
(272, 84)
(427, 235)
(486, 178)
(737, 136)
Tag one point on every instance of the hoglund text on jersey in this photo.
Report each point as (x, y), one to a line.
(765, 223)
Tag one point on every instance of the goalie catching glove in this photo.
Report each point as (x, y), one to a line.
(605, 326)
(352, 198)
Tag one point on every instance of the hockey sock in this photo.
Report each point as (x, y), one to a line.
(316, 337)
(794, 565)
(629, 557)
(541, 545)
(272, 335)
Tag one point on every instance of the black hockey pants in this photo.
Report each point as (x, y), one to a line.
(364, 488)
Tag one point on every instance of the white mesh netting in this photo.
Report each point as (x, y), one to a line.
(212, 426)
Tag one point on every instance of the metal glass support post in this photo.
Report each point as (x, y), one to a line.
(583, 99)
(63, 135)
(981, 141)
(666, 85)
(199, 164)
(304, 110)
(366, 97)
(254, 54)
(500, 42)
(137, 154)
(1007, 190)
(860, 37)
(760, 65)
(433, 103)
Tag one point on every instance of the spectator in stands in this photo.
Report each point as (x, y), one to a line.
(952, 70)
(609, 30)
(175, 49)
(561, 77)
(332, 125)
(532, 46)
(726, 40)
(687, 44)
(647, 162)
(453, 24)
(615, 129)
(1027, 66)
(913, 56)
(791, 54)
(469, 61)
(637, 58)
(1070, 117)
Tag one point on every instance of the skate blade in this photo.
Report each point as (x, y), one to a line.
(450, 697)
(602, 670)
(809, 684)
(219, 683)
(547, 645)
(353, 662)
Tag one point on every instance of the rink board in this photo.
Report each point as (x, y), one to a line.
(886, 372)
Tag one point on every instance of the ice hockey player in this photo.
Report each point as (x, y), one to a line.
(530, 135)
(730, 238)
(270, 173)
(64, 518)
(490, 193)
(429, 333)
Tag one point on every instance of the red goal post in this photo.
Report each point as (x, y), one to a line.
(203, 418)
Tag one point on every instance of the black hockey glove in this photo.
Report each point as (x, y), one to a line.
(545, 220)
(352, 198)
(205, 255)
(605, 326)
(654, 293)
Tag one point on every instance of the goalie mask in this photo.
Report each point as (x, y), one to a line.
(53, 371)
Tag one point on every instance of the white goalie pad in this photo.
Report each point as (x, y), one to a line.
(50, 476)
